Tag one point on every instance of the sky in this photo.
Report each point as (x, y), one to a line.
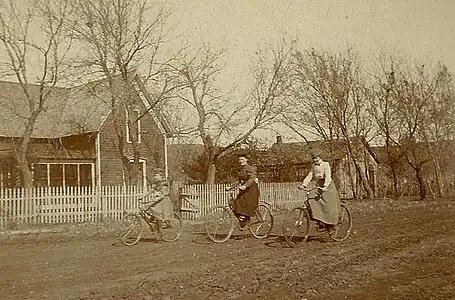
(423, 30)
(419, 30)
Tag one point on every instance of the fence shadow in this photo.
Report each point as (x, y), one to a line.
(201, 238)
(142, 240)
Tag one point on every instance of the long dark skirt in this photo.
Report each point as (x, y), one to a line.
(325, 207)
(246, 201)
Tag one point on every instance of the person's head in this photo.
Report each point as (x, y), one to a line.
(316, 157)
(158, 178)
(243, 160)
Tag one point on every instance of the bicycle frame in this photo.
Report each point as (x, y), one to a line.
(148, 217)
(258, 216)
(306, 204)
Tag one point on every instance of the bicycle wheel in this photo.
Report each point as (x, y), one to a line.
(344, 226)
(219, 224)
(131, 229)
(170, 230)
(262, 223)
(296, 226)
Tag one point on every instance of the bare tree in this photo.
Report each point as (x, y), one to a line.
(385, 116)
(330, 102)
(121, 39)
(439, 127)
(33, 28)
(419, 115)
(220, 122)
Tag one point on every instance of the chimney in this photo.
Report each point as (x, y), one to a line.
(279, 139)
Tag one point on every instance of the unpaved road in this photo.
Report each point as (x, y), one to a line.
(402, 252)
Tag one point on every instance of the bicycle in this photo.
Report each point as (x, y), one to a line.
(132, 225)
(296, 224)
(219, 222)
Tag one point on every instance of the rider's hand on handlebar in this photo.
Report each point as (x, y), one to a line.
(324, 189)
(301, 187)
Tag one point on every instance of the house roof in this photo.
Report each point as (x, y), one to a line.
(445, 148)
(67, 111)
(301, 152)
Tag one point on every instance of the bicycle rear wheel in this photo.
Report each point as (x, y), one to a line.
(131, 229)
(219, 224)
(170, 230)
(262, 222)
(296, 226)
(344, 226)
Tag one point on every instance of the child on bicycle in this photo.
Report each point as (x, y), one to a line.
(161, 202)
(324, 202)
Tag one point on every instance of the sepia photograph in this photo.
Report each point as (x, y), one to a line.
(227, 149)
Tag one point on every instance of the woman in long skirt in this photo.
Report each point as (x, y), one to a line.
(325, 201)
(246, 202)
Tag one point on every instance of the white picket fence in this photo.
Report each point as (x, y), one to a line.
(66, 205)
(197, 200)
(94, 204)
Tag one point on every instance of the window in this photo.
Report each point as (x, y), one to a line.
(136, 122)
(56, 175)
(85, 174)
(9, 176)
(63, 174)
(40, 175)
(71, 175)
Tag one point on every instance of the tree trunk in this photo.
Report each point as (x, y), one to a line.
(437, 173)
(22, 161)
(364, 179)
(26, 173)
(395, 180)
(211, 173)
(353, 182)
(421, 181)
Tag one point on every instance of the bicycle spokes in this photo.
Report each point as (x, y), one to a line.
(262, 226)
(219, 224)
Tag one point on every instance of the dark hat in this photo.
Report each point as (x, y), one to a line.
(242, 154)
(315, 153)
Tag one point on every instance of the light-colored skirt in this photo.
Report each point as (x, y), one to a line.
(164, 209)
(325, 207)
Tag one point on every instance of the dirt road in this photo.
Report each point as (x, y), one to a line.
(401, 252)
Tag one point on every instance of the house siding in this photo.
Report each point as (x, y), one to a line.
(151, 148)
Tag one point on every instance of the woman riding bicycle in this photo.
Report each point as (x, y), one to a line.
(324, 202)
(246, 202)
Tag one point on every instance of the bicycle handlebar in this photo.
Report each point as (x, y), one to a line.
(309, 190)
(232, 188)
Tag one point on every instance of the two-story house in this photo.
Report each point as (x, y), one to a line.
(82, 137)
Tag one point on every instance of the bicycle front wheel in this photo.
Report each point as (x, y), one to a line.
(170, 230)
(261, 224)
(131, 229)
(219, 224)
(343, 228)
(296, 226)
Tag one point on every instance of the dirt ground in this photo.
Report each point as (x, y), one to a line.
(396, 251)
